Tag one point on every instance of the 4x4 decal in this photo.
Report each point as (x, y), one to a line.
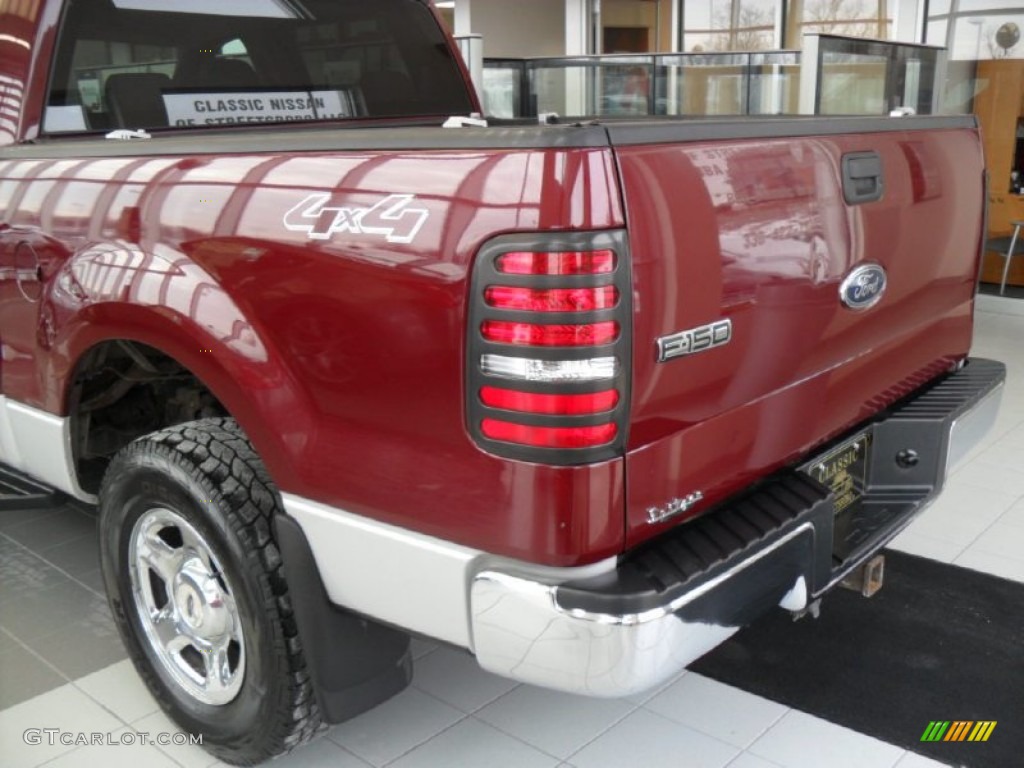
(392, 217)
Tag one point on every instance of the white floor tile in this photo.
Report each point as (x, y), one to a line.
(128, 752)
(395, 727)
(644, 696)
(985, 562)
(421, 648)
(985, 475)
(557, 723)
(799, 740)
(649, 740)
(914, 543)
(473, 744)
(719, 710)
(1010, 423)
(120, 689)
(185, 755)
(1002, 540)
(961, 500)
(958, 531)
(456, 678)
(319, 754)
(914, 760)
(1014, 438)
(747, 760)
(1004, 455)
(65, 708)
(1014, 515)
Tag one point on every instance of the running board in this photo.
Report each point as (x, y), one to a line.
(20, 492)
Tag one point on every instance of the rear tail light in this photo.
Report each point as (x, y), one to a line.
(534, 402)
(536, 335)
(549, 348)
(557, 262)
(552, 300)
(549, 437)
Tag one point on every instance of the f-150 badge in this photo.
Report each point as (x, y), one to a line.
(393, 218)
(694, 340)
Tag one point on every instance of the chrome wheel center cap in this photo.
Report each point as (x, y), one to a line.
(188, 602)
(200, 600)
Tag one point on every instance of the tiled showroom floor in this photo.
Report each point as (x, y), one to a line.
(62, 665)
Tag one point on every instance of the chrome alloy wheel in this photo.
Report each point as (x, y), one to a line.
(186, 607)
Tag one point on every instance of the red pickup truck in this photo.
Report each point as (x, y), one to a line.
(581, 398)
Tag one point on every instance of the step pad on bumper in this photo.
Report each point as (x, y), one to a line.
(682, 559)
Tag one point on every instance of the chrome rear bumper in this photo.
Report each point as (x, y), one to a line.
(675, 599)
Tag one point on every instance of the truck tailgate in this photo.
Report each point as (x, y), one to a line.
(726, 225)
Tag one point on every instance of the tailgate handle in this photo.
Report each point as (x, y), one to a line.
(862, 177)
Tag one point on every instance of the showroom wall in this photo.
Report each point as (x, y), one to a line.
(523, 27)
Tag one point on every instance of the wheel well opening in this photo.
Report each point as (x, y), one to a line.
(123, 390)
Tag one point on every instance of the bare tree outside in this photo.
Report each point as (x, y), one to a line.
(754, 29)
(854, 18)
(744, 25)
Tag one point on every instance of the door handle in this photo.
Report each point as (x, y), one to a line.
(863, 179)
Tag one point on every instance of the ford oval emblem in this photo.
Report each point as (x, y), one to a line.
(864, 287)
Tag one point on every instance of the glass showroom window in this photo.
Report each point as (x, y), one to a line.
(730, 25)
(853, 18)
(985, 40)
(985, 77)
(976, 30)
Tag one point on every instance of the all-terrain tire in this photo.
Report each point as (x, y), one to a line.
(204, 479)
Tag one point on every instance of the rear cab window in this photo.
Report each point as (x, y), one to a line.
(133, 64)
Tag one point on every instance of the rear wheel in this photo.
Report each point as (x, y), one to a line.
(196, 585)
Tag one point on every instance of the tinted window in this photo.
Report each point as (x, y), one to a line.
(131, 64)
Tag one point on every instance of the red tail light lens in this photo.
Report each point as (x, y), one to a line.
(529, 334)
(560, 405)
(549, 331)
(564, 263)
(548, 437)
(552, 300)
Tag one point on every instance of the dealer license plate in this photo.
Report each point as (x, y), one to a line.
(843, 470)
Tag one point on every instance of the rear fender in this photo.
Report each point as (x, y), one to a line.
(165, 300)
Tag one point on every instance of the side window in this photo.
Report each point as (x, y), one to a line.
(103, 70)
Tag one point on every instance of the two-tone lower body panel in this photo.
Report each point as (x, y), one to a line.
(625, 624)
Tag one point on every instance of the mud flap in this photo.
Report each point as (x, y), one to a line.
(355, 663)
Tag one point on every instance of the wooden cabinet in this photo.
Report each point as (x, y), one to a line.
(999, 106)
